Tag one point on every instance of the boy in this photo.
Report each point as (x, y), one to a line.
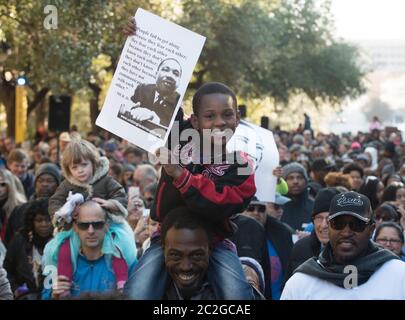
(215, 190)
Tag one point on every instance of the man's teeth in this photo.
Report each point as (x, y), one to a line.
(186, 277)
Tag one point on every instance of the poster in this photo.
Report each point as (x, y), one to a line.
(260, 145)
(150, 81)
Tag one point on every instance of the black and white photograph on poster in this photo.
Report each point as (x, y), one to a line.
(149, 83)
(259, 144)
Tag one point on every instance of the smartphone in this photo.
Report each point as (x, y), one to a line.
(133, 192)
(146, 212)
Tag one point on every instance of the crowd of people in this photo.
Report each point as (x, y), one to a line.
(93, 217)
(109, 220)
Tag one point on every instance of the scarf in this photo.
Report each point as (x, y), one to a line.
(326, 268)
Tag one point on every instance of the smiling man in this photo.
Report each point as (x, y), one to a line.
(156, 102)
(351, 266)
(187, 244)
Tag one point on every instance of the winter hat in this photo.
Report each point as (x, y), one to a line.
(323, 199)
(48, 168)
(294, 167)
(355, 145)
(248, 261)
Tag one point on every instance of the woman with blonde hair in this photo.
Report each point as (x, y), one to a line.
(11, 195)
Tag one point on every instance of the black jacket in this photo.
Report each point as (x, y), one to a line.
(298, 210)
(303, 249)
(249, 238)
(15, 222)
(19, 266)
(279, 234)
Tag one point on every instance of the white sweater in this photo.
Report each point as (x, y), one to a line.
(387, 283)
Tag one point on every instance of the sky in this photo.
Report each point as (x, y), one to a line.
(369, 19)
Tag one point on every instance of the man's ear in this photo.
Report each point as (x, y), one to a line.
(194, 121)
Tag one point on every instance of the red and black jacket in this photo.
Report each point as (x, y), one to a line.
(215, 192)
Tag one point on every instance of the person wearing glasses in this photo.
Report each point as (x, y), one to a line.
(98, 269)
(351, 266)
(278, 244)
(390, 235)
(312, 245)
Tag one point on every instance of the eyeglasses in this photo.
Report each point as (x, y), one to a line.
(97, 225)
(385, 241)
(320, 219)
(259, 208)
(356, 225)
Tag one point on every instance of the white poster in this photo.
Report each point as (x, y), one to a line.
(149, 83)
(260, 145)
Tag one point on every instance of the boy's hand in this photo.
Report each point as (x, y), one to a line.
(130, 28)
(109, 205)
(169, 163)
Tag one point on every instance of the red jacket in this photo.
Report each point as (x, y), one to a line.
(215, 192)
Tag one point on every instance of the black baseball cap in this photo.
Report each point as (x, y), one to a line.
(352, 204)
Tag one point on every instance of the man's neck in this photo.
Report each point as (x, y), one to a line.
(91, 254)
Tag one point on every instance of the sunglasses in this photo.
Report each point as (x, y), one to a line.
(260, 209)
(97, 225)
(356, 225)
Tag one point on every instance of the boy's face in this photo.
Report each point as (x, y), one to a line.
(19, 168)
(218, 114)
(82, 171)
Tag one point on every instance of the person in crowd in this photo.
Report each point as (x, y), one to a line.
(338, 179)
(149, 194)
(376, 273)
(395, 192)
(144, 175)
(11, 195)
(275, 209)
(210, 190)
(24, 254)
(17, 163)
(297, 212)
(312, 245)
(278, 246)
(319, 169)
(126, 176)
(86, 178)
(96, 270)
(356, 172)
(47, 180)
(115, 171)
(390, 235)
(386, 212)
(133, 156)
(373, 189)
(254, 275)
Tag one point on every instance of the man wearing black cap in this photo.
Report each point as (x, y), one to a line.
(311, 246)
(351, 266)
(47, 180)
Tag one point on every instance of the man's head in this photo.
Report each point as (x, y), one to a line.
(356, 172)
(350, 226)
(296, 177)
(144, 174)
(257, 210)
(187, 243)
(17, 162)
(168, 76)
(319, 169)
(320, 213)
(91, 225)
(275, 209)
(47, 179)
(133, 156)
(215, 112)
